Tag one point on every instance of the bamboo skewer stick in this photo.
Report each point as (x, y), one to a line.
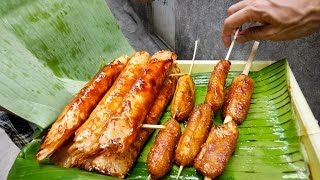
(251, 58)
(194, 55)
(180, 170)
(152, 126)
(232, 44)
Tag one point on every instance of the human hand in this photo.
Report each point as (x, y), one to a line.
(280, 19)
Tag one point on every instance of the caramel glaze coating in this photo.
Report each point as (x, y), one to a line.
(217, 150)
(123, 127)
(194, 135)
(118, 164)
(86, 140)
(238, 98)
(215, 93)
(160, 157)
(79, 109)
(183, 99)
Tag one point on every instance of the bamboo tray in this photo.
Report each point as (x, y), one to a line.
(307, 126)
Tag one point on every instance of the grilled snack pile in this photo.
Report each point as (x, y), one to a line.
(100, 128)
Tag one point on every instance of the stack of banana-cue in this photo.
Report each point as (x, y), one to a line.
(101, 128)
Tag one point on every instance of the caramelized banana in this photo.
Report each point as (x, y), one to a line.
(215, 93)
(183, 99)
(238, 98)
(194, 135)
(160, 157)
(217, 150)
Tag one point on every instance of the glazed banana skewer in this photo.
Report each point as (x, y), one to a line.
(161, 156)
(183, 100)
(211, 162)
(199, 124)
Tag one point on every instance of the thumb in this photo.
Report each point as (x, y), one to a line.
(255, 33)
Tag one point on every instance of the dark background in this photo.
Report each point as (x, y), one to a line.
(203, 20)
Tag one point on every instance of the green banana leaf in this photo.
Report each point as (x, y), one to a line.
(49, 49)
(268, 145)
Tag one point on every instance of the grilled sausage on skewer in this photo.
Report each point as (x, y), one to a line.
(183, 99)
(79, 109)
(194, 135)
(215, 93)
(160, 157)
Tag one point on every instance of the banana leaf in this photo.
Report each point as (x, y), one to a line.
(268, 145)
(49, 49)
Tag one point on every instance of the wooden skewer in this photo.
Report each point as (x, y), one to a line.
(232, 44)
(180, 170)
(251, 58)
(207, 178)
(149, 177)
(177, 74)
(194, 55)
(152, 126)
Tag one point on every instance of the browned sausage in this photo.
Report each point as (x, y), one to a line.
(217, 150)
(215, 93)
(79, 109)
(238, 98)
(160, 157)
(118, 164)
(194, 135)
(183, 99)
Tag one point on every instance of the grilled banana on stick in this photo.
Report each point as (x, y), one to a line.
(184, 96)
(222, 140)
(160, 157)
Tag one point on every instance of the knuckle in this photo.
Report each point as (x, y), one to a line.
(231, 10)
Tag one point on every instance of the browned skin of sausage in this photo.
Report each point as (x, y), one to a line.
(194, 135)
(238, 98)
(118, 164)
(217, 150)
(215, 93)
(183, 99)
(124, 125)
(160, 157)
(86, 141)
(79, 109)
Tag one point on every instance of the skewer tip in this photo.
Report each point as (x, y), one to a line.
(227, 119)
(180, 170)
(152, 126)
